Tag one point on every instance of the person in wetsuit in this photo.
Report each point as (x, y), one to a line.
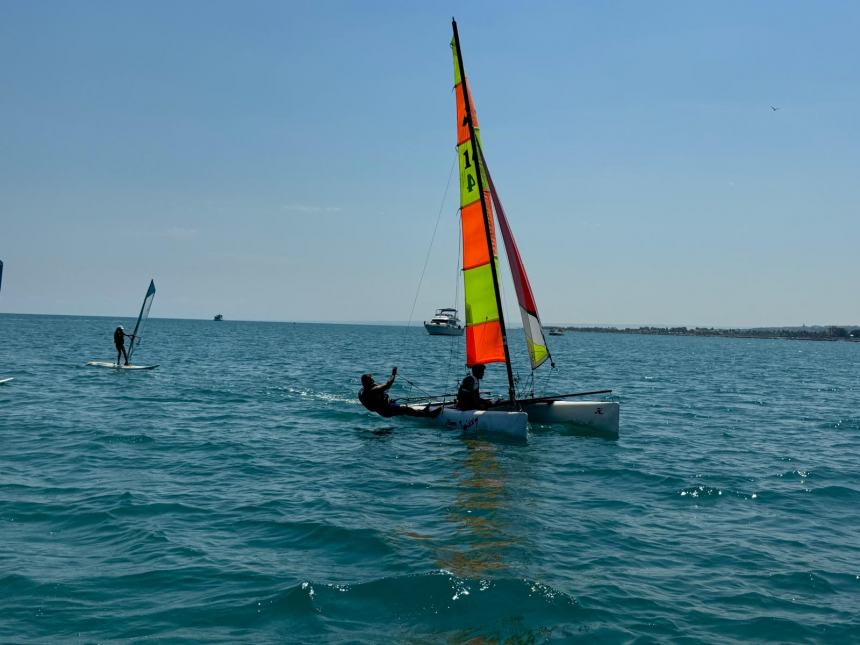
(119, 336)
(469, 392)
(374, 396)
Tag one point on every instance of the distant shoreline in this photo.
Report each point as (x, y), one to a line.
(829, 333)
(850, 333)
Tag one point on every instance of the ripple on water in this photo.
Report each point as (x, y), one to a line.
(240, 493)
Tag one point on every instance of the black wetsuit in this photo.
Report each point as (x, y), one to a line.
(376, 400)
(469, 395)
(119, 341)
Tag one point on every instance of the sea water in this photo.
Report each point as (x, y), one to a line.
(239, 492)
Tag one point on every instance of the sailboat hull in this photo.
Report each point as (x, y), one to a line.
(598, 416)
(471, 422)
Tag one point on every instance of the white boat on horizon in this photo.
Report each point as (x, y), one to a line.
(444, 323)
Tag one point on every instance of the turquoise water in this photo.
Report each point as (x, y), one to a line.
(239, 493)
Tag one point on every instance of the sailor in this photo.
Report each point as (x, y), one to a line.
(374, 397)
(119, 336)
(469, 392)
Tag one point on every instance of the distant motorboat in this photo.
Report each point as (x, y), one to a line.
(556, 331)
(444, 323)
(218, 317)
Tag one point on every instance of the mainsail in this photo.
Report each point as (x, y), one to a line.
(144, 314)
(485, 333)
(484, 328)
(538, 351)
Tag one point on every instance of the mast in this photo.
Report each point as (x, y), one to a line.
(475, 156)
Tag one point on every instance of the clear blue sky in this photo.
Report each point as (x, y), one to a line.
(287, 161)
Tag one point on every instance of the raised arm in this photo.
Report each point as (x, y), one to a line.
(390, 380)
(381, 387)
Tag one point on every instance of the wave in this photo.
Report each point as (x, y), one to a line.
(436, 605)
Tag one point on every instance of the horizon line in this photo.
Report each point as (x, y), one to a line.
(404, 323)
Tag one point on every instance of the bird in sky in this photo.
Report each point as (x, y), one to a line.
(774, 108)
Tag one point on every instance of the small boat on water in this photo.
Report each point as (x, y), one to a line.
(218, 317)
(597, 417)
(485, 329)
(556, 331)
(444, 323)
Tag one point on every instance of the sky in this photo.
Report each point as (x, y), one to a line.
(290, 160)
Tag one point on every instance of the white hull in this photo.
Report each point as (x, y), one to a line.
(443, 330)
(121, 367)
(6, 380)
(599, 416)
(510, 424)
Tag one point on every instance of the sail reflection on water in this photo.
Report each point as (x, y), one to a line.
(482, 538)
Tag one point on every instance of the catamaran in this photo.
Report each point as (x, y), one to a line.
(486, 334)
(136, 335)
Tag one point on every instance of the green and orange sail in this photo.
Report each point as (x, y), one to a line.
(485, 333)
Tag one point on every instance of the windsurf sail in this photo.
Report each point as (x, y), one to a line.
(144, 314)
(1, 274)
(485, 341)
(538, 350)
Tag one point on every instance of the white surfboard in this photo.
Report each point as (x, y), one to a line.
(6, 380)
(121, 367)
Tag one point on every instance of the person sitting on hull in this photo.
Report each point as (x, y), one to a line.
(469, 392)
(119, 337)
(374, 396)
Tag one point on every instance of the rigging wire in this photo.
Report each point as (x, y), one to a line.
(427, 260)
(432, 239)
(424, 392)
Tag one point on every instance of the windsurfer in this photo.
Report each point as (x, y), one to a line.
(374, 397)
(119, 336)
(469, 392)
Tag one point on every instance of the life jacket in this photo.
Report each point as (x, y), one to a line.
(373, 402)
(118, 337)
(468, 394)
